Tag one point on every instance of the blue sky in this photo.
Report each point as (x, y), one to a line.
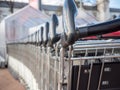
(115, 3)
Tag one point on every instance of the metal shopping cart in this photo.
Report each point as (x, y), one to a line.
(94, 65)
(66, 61)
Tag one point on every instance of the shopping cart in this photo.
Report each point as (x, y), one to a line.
(65, 61)
(93, 65)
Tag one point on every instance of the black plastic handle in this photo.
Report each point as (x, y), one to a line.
(41, 35)
(36, 37)
(46, 31)
(32, 38)
(69, 13)
(99, 29)
(53, 35)
(28, 39)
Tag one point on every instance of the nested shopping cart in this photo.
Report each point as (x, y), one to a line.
(92, 65)
(65, 61)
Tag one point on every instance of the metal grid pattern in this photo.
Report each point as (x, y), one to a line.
(76, 68)
(93, 64)
(43, 66)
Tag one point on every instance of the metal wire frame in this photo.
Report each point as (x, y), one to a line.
(103, 51)
(53, 67)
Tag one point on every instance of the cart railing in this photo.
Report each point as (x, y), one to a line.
(64, 62)
(86, 63)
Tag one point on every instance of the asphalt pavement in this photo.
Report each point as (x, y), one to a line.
(7, 82)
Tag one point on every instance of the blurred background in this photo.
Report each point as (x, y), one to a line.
(111, 7)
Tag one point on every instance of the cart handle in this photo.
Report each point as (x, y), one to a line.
(99, 29)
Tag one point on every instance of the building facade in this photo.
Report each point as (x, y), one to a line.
(9, 7)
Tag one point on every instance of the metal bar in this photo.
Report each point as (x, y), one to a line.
(90, 72)
(70, 69)
(97, 46)
(78, 81)
(61, 69)
(90, 58)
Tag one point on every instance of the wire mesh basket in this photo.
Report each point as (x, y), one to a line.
(93, 65)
